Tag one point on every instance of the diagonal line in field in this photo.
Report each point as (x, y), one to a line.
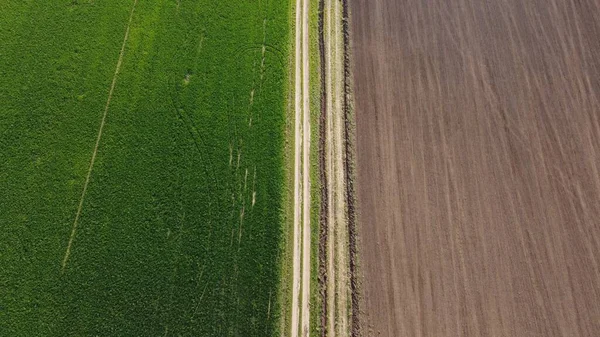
(93, 159)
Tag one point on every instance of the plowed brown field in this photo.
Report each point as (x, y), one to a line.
(478, 156)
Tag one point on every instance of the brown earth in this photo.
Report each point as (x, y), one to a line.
(478, 155)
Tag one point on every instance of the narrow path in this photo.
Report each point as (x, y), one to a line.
(300, 323)
(297, 169)
(306, 245)
(98, 138)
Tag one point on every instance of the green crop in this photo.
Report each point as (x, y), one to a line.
(181, 227)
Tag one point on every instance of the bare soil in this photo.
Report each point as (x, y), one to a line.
(478, 155)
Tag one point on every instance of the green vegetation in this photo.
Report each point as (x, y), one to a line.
(181, 225)
(315, 108)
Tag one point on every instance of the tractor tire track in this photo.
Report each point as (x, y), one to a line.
(98, 138)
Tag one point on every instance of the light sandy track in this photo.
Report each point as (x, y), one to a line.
(302, 244)
(300, 323)
(297, 169)
(305, 323)
(98, 138)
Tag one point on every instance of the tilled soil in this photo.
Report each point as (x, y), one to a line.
(478, 155)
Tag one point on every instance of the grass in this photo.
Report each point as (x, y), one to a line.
(315, 108)
(286, 265)
(181, 225)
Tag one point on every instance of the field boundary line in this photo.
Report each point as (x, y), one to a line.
(98, 138)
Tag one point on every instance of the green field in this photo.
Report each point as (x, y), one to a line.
(181, 226)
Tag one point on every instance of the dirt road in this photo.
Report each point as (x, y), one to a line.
(302, 229)
(297, 171)
(306, 229)
(478, 155)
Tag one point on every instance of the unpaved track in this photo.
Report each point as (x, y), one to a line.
(98, 138)
(306, 228)
(297, 171)
(478, 155)
(302, 234)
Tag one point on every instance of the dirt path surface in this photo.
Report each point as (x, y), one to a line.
(306, 229)
(300, 322)
(297, 171)
(478, 155)
(98, 138)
